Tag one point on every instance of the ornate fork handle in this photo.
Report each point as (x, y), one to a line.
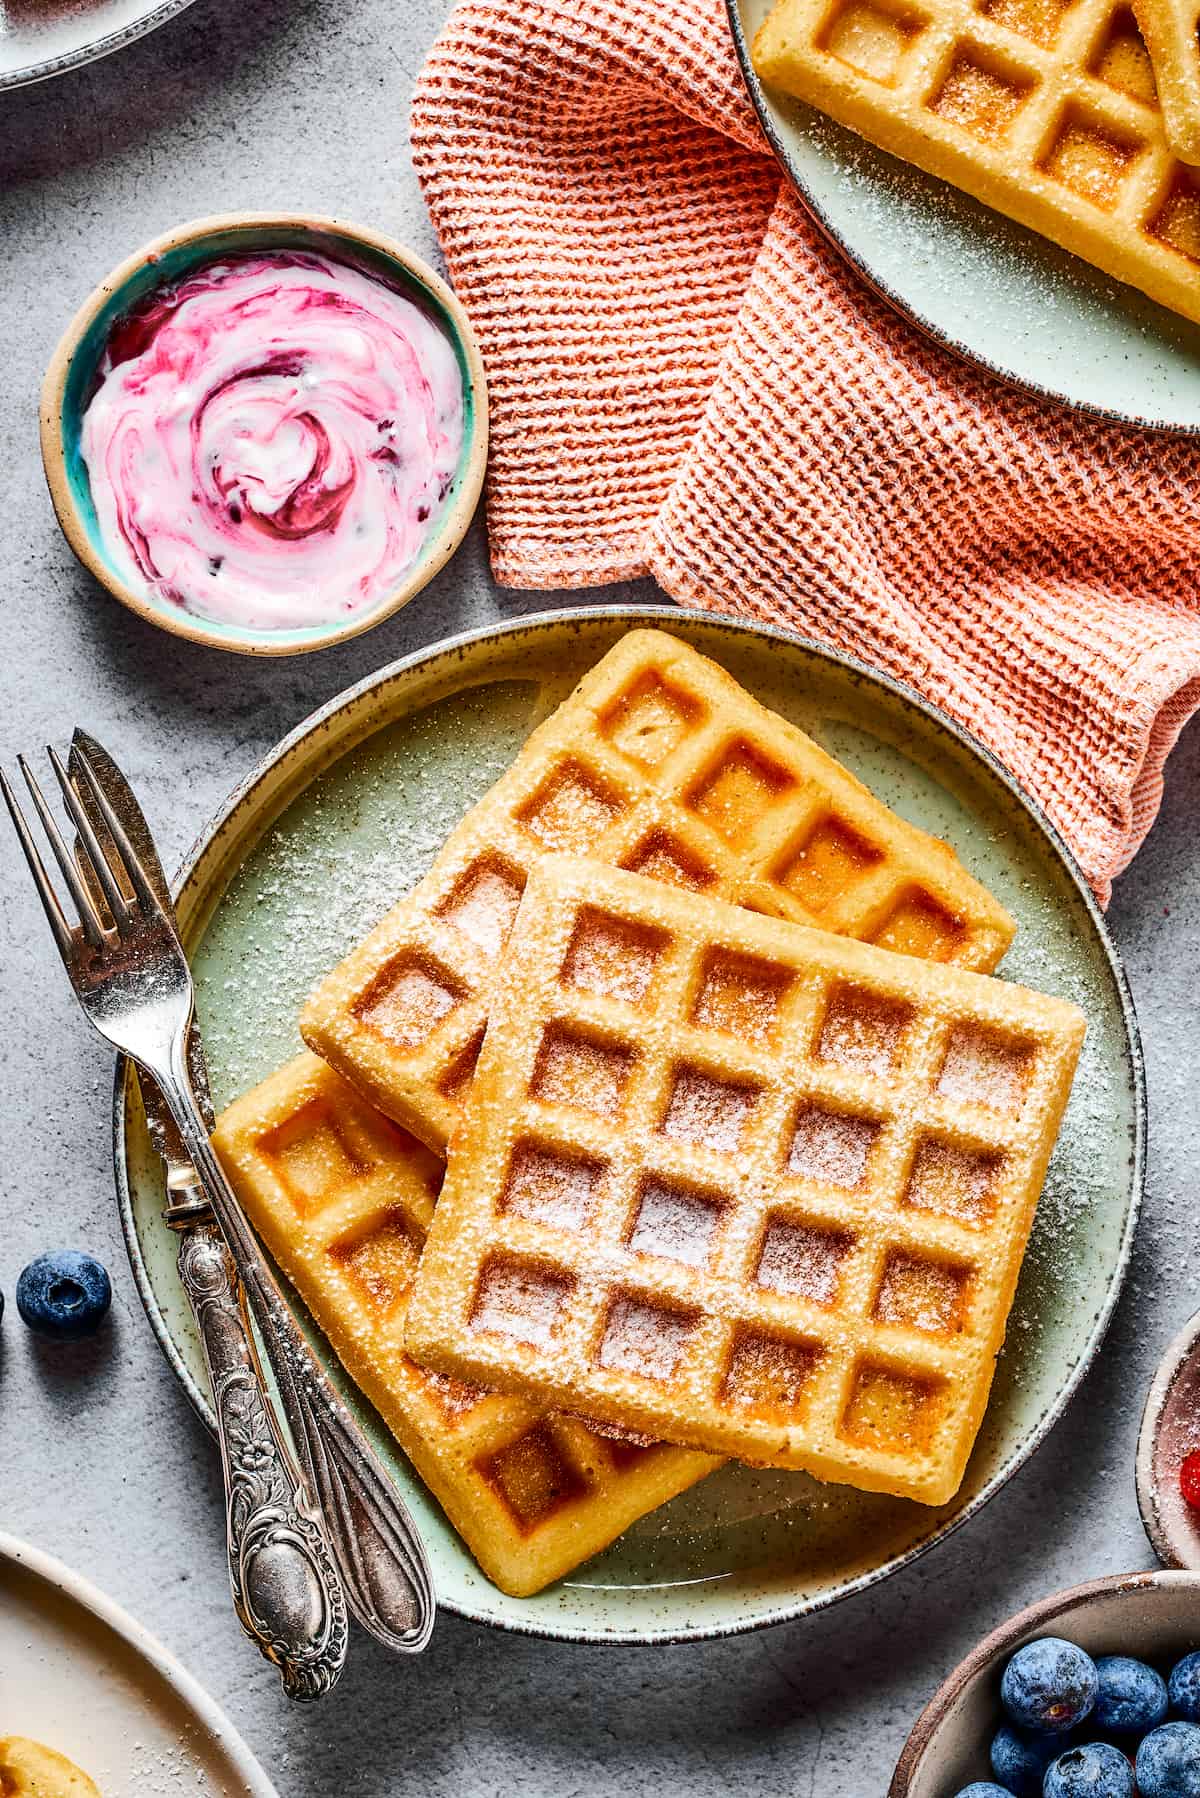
(131, 976)
(286, 1589)
(382, 1561)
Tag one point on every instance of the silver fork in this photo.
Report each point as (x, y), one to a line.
(132, 979)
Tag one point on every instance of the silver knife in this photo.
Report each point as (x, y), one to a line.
(286, 1587)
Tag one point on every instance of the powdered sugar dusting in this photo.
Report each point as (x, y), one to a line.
(644, 1339)
(677, 1225)
(706, 1111)
(330, 867)
(367, 831)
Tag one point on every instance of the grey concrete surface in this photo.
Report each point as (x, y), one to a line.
(303, 103)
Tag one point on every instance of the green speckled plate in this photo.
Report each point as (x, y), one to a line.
(999, 294)
(347, 814)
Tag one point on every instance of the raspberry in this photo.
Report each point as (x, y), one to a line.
(1189, 1480)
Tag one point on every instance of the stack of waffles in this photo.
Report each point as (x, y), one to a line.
(1076, 117)
(673, 1116)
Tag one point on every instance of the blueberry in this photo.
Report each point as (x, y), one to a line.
(1049, 1686)
(983, 1788)
(1168, 1762)
(1130, 1698)
(1019, 1760)
(1184, 1687)
(64, 1294)
(1093, 1770)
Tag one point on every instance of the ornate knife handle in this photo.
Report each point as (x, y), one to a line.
(381, 1558)
(286, 1588)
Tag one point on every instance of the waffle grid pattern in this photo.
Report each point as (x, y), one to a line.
(1045, 110)
(662, 764)
(1030, 569)
(768, 1197)
(342, 1200)
(1170, 28)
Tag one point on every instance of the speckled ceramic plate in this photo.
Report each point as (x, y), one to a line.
(40, 38)
(997, 293)
(79, 1674)
(349, 812)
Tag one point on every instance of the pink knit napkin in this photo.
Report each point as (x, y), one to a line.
(687, 382)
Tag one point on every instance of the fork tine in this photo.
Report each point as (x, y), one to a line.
(133, 866)
(93, 923)
(53, 910)
(115, 899)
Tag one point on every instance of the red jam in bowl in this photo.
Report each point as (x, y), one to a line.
(271, 441)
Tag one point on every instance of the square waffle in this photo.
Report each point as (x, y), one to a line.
(1170, 30)
(1044, 109)
(753, 1188)
(343, 1199)
(659, 762)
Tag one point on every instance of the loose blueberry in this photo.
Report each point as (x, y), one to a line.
(1049, 1686)
(983, 1788)
(1131, 1698)
(1184, 1688)
(1019, 1760)
(64, 1294)
(1093, 1770)
(1168, 1762)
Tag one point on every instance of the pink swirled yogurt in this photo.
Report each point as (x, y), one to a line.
(272, 439)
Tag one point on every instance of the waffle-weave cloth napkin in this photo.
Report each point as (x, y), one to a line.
(687, 382)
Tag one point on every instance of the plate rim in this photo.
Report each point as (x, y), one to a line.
(1167, 1374)
(1065, 402)
(77, 1587)
(662, 617)
(94, 49)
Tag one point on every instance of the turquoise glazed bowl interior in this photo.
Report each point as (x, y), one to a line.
(159, 268)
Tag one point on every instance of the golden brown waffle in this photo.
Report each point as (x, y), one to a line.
(1170, 30)
(750, 1187)
(659, 762)
(1043, 109)
(342, 1199)
(29, 1770)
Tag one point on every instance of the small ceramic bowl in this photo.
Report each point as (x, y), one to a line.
(1171, 1431)
(1154, 1616)
(70, 377)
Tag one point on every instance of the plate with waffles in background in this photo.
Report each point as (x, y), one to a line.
(356, 917)
(1003, 172)
(94, 1706)
(40, 40)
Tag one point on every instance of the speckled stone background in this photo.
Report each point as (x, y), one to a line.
(304, 103)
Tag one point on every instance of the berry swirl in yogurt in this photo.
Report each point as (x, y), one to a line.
(271, 440)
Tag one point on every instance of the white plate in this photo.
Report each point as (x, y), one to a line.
(989, 289)
(39, 38)
(77, 1673)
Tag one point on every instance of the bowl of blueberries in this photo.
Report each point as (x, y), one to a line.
(1090, 1693)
